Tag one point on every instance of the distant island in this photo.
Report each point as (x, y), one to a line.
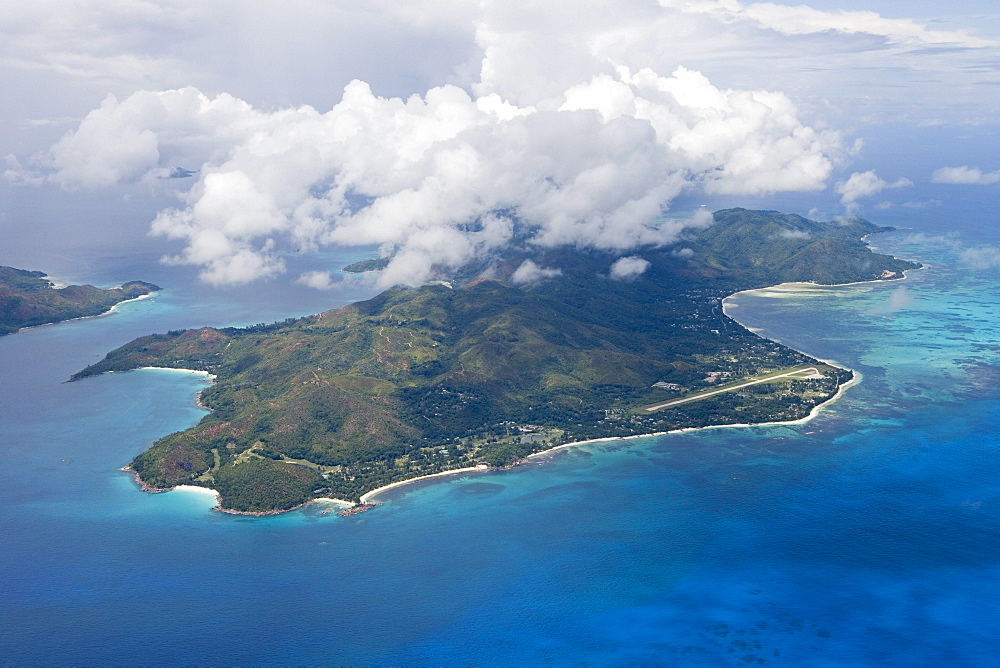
(483, 371)
(365, 266)
(29, 298)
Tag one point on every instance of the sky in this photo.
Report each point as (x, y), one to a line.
(225, 136)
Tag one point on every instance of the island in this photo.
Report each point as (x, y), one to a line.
(29, 298)
(365, 266)
(483, 369)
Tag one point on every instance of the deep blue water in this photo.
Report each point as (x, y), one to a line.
(868, 536)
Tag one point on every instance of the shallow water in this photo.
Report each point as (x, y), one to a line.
(870, 535)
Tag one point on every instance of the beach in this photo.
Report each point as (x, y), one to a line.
(368, 498)
(170, 368)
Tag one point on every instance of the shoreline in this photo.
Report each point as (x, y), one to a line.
(114, 307)
(110, 310)
(171, 368)
(802, 420)
(814, 284)
(365, 500)
(367, 496)
(483, 468)
(197, 397)
(813, 412)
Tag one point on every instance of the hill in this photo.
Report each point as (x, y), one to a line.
(28, 298)
(416, 381)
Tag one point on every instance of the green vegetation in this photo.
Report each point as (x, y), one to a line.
(362, 266)
(265, 486)
(418, 381)
(801, 372)
(27, 299)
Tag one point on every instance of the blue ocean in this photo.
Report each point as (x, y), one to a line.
(867, 536)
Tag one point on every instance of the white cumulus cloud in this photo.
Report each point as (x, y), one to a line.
(319, 280)
(443, 177)
(794, 234)
(982, 257)
(965, 175)
(804, 20)
(628, 267)
(865, 184)
(899, 299)
(529, 272)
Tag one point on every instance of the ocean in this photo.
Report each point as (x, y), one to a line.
(867, 536)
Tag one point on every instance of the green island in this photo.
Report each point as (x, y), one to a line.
(483, 372)
(29, 298)
(365, 266)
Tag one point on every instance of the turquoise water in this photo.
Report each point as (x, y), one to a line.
(868, 536)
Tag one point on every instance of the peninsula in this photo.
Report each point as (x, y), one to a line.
(485, 370)
(29, 298)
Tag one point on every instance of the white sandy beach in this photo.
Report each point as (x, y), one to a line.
(88, 317)
(368, 496)
(170, 368)
(803, 420)
(328, 499)
(134, 299)
(799, 287)
(197, 490)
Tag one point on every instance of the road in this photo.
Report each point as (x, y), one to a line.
(802, 374)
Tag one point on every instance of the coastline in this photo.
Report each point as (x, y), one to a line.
(198, 490)
(366, 499)
(111, 310)
(173, 368)
(114, 307)
(368, 496)
(788, 286)
(856, 378)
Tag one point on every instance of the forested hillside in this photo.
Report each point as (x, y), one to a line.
(419, 380)
(27, 299)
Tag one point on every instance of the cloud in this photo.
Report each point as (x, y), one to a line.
(899, 299)
(864, 184)
(15, 172)
(529, 272)
(924, 204)
(965, 175)
(794, 234)
(982, 258)
(626, 268)
(444, 177)
(58, 58)
(805, 20)
(320, 280)
(558, 123)
(122, 141)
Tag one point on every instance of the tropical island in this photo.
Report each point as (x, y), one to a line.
(481, 369)
(29, 298)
